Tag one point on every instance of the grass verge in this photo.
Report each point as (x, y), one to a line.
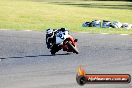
(40, 14)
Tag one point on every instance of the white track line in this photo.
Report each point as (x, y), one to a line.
(124, 34)
(3, 29)
(105, 33)
(27, 30)
(78, 32)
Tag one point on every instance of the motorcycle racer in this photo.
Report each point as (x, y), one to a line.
(50, 36)
(57, 39)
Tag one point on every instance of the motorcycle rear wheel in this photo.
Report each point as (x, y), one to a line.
(52, 52)
(55, 48)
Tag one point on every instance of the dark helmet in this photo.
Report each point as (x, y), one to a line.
(62, 29)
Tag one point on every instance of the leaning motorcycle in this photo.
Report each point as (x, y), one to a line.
(63, 40)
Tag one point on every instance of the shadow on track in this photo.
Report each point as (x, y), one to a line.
(31, 56)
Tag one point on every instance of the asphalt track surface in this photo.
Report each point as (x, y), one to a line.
(27, 63)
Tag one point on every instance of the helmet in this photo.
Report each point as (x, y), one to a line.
(62, 29)
(49, 31)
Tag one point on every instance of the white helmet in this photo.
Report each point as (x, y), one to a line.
(49, 31)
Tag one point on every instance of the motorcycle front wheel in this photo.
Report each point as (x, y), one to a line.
(73, 48)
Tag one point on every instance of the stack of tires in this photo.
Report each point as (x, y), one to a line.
(107, 24)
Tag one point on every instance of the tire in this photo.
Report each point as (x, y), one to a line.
(52, 52)
(73, 48)
(54, 49)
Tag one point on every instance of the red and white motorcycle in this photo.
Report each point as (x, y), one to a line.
(63, 40)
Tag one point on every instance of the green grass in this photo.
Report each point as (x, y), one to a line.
(42, 14)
